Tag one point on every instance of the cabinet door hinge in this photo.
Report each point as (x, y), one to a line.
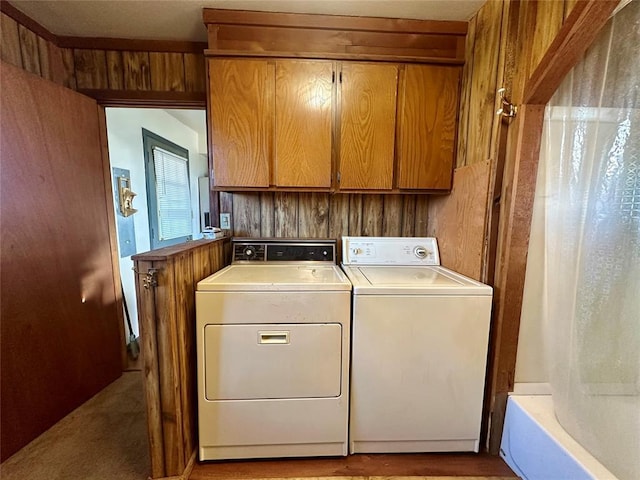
(338, 177)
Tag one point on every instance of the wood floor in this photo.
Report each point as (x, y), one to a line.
(477, 466)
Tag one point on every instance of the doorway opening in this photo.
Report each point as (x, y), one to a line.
(151, 209)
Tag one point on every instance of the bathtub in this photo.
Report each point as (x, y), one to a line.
(536, 447)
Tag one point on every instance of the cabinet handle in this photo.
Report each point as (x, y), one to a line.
(333, 77)
(340, 77)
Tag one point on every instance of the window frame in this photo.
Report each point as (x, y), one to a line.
(150, 141)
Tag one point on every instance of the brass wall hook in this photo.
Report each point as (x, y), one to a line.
(507, 109)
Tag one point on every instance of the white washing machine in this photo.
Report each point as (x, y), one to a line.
(273, 333)
(419, 348)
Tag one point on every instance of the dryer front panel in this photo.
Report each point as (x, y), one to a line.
(268, 361)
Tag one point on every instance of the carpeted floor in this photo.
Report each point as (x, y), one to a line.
(103, 439)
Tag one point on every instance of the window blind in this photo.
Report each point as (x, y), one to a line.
(173, 194)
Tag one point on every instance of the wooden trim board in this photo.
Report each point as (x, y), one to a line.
(146, 98)
(131, 44)
(335, 56)
(360, 466)
(578, 32)
(340, 22)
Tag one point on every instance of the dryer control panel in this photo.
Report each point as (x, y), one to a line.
(390, 251)
(283, 250)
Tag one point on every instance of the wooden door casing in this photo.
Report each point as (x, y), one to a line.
(367, 125)
(241, 126)
(303, 123)
(427, 117)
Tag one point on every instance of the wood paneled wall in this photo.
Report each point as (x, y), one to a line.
(307, 215)
(458, 220)
(105, 68)
(61, 321)
(136, 70)
(167, 326)
(505, 42)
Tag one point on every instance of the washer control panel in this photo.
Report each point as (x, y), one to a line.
(390, 251)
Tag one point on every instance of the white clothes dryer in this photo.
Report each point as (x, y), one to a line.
(273, 335)
(419, 348)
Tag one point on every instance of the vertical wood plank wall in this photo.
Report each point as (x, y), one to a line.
(167, 326)
(505, 41)
(115, 66)
(307, 215)
(492, 62)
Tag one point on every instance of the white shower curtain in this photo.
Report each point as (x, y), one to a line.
(589, 181)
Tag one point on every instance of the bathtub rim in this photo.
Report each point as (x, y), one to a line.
(538, 408)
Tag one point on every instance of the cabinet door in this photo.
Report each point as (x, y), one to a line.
(367, 125)
(241, 126)
(427, 126)
(304, 100)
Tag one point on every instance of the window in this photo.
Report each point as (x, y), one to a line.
(169, 195)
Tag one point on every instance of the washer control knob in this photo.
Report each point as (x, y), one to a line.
(420, 252)
(249, 253)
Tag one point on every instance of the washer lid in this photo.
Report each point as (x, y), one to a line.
(412, 280)
(276, 277)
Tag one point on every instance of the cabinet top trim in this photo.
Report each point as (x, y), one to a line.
(334, 56)
(340, 22)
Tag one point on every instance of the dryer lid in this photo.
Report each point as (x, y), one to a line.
(276, 277)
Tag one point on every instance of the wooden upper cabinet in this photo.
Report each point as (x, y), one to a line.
(241, 121)
(273, 123)
(367, 125)
(427, 117)
(303, 123)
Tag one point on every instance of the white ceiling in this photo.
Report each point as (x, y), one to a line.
(194, 119)
(182, 19)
